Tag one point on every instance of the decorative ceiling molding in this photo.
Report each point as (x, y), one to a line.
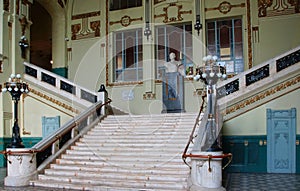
(125, 21)
(172, 18)
(225, 7)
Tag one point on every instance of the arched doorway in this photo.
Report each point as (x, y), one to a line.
(41, 37)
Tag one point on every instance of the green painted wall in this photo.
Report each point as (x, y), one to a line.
(27, 141)
(250, 153)
(61, 71)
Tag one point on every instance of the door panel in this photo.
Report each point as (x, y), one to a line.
(281, 128)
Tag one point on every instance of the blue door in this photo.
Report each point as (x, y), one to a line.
(281, 141)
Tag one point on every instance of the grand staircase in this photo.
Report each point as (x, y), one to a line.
(126, 152)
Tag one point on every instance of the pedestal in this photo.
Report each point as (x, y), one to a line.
(206, 175)
(173, 93)
(21, 167)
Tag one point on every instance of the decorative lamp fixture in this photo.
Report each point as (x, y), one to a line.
(198, 25)
(210, 73)
(147, 31)
(16, 87)
(23, 43)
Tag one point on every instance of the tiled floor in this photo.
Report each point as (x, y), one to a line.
(234, 182)
(263, 182)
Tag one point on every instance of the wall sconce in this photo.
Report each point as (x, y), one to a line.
(23, 43)
(147, 31)
(198, 25)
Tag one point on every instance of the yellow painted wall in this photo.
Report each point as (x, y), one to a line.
(255, 121)
(34, 111)
(137, 105)
(277, 35)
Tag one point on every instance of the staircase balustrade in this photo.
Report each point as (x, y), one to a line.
(49, 148)
(68, 133)
(274, 76)
(260, 72)
(59, 82)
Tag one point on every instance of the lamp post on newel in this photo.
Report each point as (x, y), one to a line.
(16, 87)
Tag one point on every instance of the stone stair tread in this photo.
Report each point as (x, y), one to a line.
(111, 169)
(124, 153)
(95, 146)
(142, 184)
(144, 165)
(141, 176)
(130, 145)
(153, 159)
(80, 186)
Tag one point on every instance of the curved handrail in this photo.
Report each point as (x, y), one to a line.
(184, 155)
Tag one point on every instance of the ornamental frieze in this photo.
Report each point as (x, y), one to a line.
(125, 21)
(268, 92)
(172, 12)
(86, 28)
(225, 7)
(269, 8)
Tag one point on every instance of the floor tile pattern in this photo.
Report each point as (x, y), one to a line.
(263, 182)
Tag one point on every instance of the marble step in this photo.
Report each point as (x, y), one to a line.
(141, 176)
(124, 154)
(138, 184)
(138, 141)
(114, 169)
(127, 165)
(129, 186)
(124, 158)
(127, 146)
(121, 148)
